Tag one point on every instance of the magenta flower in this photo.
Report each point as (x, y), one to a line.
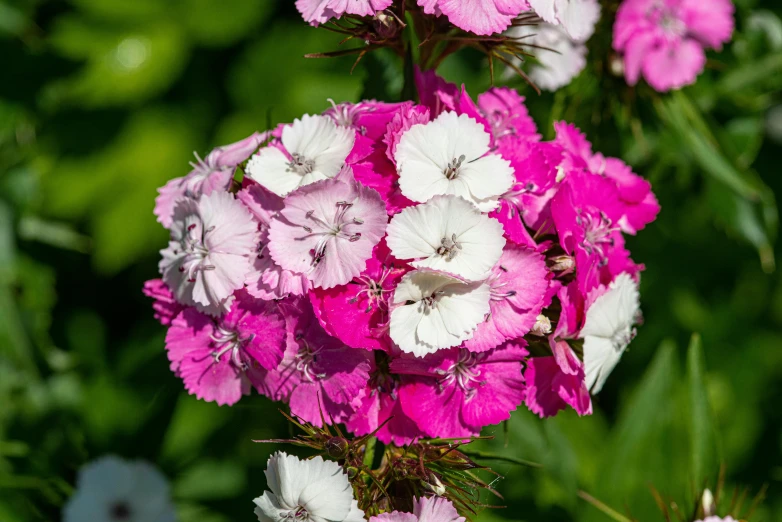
(526, 204)
(319, 375)
(208, 257)
(266, 280)
(357, 313)
(214, 172)
(321, 11)
(165, 306)
(639, 202)
(379, 404)
(586, 212)
(219, 360)
(665, 39)
(327, 231)
(518, 283)
(483, 17)
(461, 391)
(378, 173)
(425, 509)
(507, 115)
(556, 382)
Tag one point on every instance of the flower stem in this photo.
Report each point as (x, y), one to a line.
(369, 452)
(408, 88)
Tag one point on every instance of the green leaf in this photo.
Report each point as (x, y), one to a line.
(704, 446)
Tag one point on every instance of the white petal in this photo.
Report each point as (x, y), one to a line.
(600, 358)
(270, 168)
(433, 311)
(578, 17)
(418, 233)
(426, 151)
(319, 139)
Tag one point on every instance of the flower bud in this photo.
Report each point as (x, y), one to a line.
(542, 326)
(337, 447)
(435, 485)
(561, 263)
(707, 501)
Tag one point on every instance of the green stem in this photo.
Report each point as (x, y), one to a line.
(408, 88)
(369, 452)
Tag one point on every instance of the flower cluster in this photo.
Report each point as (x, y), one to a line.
(665, 39)
(417, 269)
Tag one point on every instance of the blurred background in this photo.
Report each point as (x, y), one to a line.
(103, 101)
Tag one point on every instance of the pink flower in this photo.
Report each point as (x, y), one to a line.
(483, 17)
(219, 360)
(401, 123)
(586, 211)
(266, 279)
(319, 375)
(425, 509)
(665, 39)
(507, 115)
(518, 285)
(555, 382)
(321, 11)
(215, 172)
(526, 204)
(208, 257)
(378, 173)
(379, 404)
(165, 306)
(327, 231)
(461, 391)
(640, 204)
(357, 313)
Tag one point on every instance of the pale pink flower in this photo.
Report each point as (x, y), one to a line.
(327, 231)
(267, 280)
(461, 391)
(220, 360)
(425, 509)
(518, 283)
(212, 243)
(214, 172)
(665, 39)
(483, 17)
(321, 11)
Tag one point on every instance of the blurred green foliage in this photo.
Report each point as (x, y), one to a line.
(103, 101)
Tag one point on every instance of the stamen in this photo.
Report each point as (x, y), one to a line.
(449, 247)
(452, 170)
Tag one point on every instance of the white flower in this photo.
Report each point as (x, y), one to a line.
(450, 155)
(114, 490)
(316, 149)
(448, 234)
(432, 310)
(213, 242)
(608, 329)
(314, 490)
(559, 58)
(577, 17)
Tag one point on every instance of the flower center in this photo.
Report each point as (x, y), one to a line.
(300, 165)
(498, 289)
(194, 251)
(374, 291)
(464, 374)
(597, 234)
(449, 247)
(295, 514)
(327, 230)
(452, 170)
(306, 359)
(201, 170)
(229, 341)
(500, 123)
(120, 511)
(347, 114)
